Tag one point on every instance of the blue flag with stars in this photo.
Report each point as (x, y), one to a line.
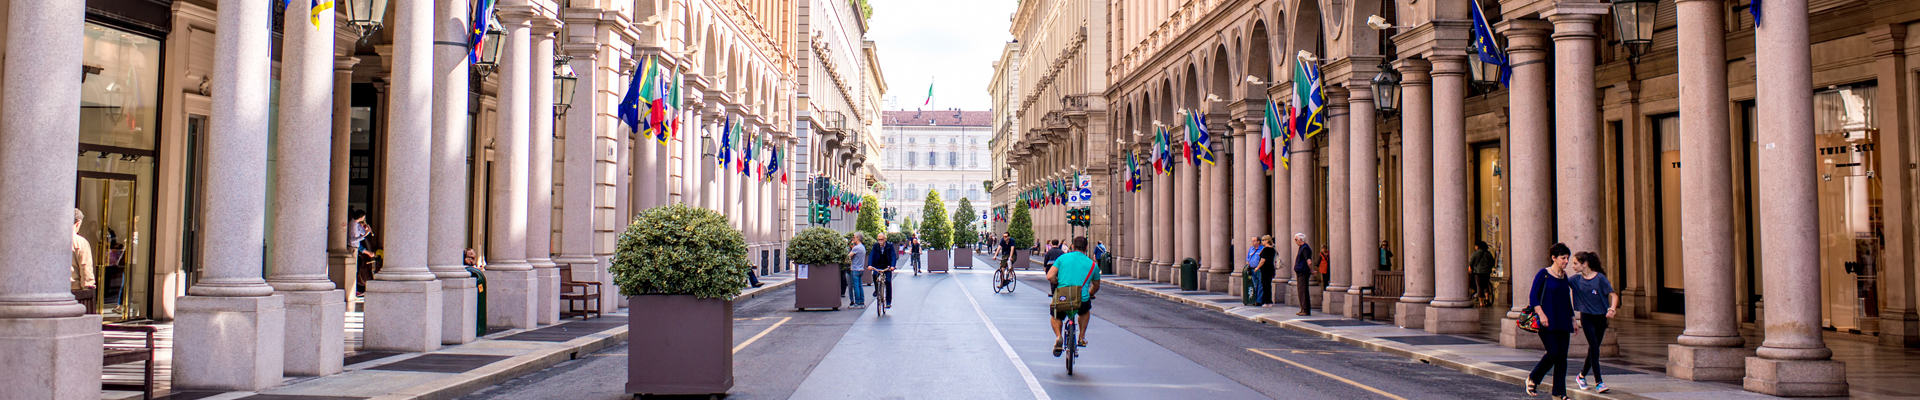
(1487, 49)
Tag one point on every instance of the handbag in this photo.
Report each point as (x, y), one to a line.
(1067, 298)
(1530, 322)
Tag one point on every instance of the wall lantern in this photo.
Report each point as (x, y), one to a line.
(1486, 76)
(365, 16)
(1634, 21)
(564, 82)
(1386, 90)
(490, 50)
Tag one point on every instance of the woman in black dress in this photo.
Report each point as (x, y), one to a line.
(1552, 302)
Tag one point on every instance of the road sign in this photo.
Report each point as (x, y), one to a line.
(1086, 181)
(1080, 198)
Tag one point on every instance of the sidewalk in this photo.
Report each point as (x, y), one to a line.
(447, 373)
(1476, 354)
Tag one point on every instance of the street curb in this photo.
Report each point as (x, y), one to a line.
(1501, 373)
(522, 365)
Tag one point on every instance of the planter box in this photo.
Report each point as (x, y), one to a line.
(821, 288)
(679, 344)
(937, 260)
(963, 258)
(1023, 259)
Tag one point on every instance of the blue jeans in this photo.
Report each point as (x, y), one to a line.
(853, 284)
(1259, 290)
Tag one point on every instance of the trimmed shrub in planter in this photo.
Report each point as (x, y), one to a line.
(935, 232)
(1021, 229)
(821, 253)
(681, 267)
(964, 237)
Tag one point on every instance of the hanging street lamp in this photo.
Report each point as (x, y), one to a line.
(1486, 75)
(365, 16)
(490, 50)
(564, 82)
(1633, 20)
(1386, 90)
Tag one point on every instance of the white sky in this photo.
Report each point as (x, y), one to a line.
(951, 44)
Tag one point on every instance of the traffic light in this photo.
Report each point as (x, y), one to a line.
(1081, 217)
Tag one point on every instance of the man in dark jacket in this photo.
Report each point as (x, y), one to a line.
(1006, 246)
(1053, 252)
(880, 260)
(913, 254)
(1303, 272)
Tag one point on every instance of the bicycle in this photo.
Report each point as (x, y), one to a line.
(881, 296)
(1069, 338)
(1003, 277)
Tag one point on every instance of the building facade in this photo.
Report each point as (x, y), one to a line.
(228, 236)
(1424, 154)
(1061, 125)
(1005, 90)
(941, 151)
(839, 89)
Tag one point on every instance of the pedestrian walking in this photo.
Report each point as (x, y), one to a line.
(1551, 300)
(364, 258)
(1303, 272)
(1594, 300)
(1053, 252)
(1480, 266)
(857, 253)
(80, 280)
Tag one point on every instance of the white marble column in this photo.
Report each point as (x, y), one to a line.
(229, 328)
(1794, 359)
(1711, 348)
(315, 343)
(1416, 194)
(511, 285)
(540, 249)
(1530, 176)
(447, 224)
(1363, 204)
(404, 301)
(44, 333)
(1451, 311)
(576, 215)
(1577, 126)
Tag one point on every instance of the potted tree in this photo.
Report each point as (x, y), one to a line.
(935, 232)
(869, 221)
(821, 253)
(963, 234)
(1021, 229)
(680, 268)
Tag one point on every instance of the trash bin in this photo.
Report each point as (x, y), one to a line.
(1106, 264)
(480, 313)
(1189, 274)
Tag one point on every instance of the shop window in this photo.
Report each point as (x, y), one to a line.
(119, 99)
(1846, 140)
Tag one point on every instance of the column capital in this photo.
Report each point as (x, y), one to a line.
(1525, 35)
(515, 16)
(1415, 72)
(1575, 23)
(1887, 40)
(1452, 65)
(544, 25)
(345, 63)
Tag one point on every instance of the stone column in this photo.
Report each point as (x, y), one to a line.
(44, 333)
(404, 301)
(1280, 224)
(447, 224)
(1301, 206)
(1363, 204)
(230, 326)
(1339, 129)
(540, 177)
(511, 285)
(1416, 194)
(1711, 348)
(340, 258)
(1451, 310)
(1219, 253)
(1187, 218)
(1141, 223)
(1794, 360)
(1576, 126)
(1163, 259)
(578, 172)
(1249, 203)
(1531, 173)
(314, 344)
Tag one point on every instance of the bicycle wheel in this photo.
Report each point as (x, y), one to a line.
(1070, 342)
(998, 277)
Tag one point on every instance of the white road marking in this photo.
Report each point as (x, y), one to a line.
(1032, 383)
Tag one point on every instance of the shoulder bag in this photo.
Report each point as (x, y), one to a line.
(1067, 298)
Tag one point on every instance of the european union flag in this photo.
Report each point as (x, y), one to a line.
(1483, 44)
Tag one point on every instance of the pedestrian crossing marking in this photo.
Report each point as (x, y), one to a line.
(1324, 373)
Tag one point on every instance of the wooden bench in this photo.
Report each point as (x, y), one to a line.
(586, 293)
(1387, 288)
(128, 347)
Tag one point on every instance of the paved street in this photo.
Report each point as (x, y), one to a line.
(943, 339)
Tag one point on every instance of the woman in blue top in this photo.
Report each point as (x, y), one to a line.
(1552, 302)
(1594, 299)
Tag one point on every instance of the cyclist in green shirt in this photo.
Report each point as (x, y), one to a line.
(1071, 269)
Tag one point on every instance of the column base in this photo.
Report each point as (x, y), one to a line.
(547, 308)
(459, 312)
(1796, 378)
(1218, 281)
(1899, 328)
(510, 299)
(229, 343)
(342, 271)
(1163, 272)
(316, 341)
(1446, 320)
(1337, 301)
(404, 316)
(1410, 315)
(51, 358)
(1511, 336)
(1697, 363)
(1234, 288)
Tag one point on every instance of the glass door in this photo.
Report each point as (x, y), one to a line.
(108, 201)
(1850, 219)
